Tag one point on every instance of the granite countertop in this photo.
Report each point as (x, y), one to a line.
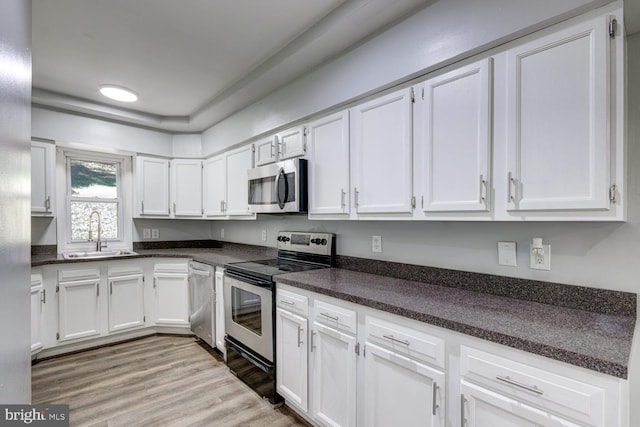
(600, 342)
(216, 257)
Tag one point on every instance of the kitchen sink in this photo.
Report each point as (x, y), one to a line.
(97, 254)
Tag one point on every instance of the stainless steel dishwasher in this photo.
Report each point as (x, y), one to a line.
(202, 293)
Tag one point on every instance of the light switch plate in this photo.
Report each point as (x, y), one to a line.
(376, 243)
(155, 233)
(146, 233)
(507, 253)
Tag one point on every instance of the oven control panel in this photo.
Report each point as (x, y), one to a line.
(308, 242)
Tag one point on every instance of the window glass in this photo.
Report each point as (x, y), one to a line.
(82, 220)
(94, 179)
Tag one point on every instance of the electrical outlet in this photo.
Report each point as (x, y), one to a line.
(146, 233)
(264, 235)
(222, 233)
(540, 261)
(376, 243)
(155, 233)
(507, 253)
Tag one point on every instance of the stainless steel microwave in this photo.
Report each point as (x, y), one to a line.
(280, 187)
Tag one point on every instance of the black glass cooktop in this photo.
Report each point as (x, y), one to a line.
(267, 268)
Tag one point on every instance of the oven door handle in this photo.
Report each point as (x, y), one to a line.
(249, 280)
(281, 200)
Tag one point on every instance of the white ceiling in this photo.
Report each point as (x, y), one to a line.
(192, 62)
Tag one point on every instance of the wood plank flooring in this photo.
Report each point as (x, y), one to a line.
(155, 381)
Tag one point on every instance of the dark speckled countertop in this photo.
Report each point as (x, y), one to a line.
(597, 336)
(600, 342)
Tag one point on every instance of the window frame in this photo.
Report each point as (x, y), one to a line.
(124, 191)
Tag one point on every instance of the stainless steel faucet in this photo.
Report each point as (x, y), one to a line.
(99, 241)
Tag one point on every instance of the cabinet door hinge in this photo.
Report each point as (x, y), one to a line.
(423, 93)
(305, 132)
(201, 165)
(364, 350)
(142, 279)
(57, 335)
(413, 202)
(189, 319)
(57, 289)
(253, 148)
(613, 26)
(144, 319)
(357, 348)
(413, 95)
(613, 191)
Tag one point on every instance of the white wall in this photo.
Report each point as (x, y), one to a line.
(70, 128)
(172, 229)
(441, 33)
(188, 145)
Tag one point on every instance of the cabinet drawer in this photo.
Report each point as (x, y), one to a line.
(114, 270)
(74, 275)
(335, 316)
(170, 267)
(414, 343)
(570, 396)
(293, 302)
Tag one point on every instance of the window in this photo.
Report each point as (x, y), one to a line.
(97, 199)
(94, 199)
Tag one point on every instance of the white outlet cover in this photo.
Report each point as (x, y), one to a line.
(222, 233)
(264, 235)
(507, 254)
(146, 233)
(155, 233)
(376, 244)
(540, 262)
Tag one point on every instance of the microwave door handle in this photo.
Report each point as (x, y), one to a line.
(279, 177)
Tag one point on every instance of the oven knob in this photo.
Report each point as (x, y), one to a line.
(323, 242)
(279, 239)
(285, 239)
(314, 241)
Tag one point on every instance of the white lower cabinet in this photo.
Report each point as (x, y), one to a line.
(372, 368)
(79, 310)
(126, 297)
(171, 286)
(37, 305)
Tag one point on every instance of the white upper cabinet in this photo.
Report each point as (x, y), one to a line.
(329, 165)
(381, 156)
(43, 162)
(292, 143)
(238, 161)
(186, 187)
(214, 178)
(564, 142)
(152, 175)
(453, 140)
(266, 150)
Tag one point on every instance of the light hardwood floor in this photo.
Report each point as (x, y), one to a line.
(154, 381)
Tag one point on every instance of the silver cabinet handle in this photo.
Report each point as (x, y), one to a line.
(272, 148)
(342, 196)
(328, 316)
(462, 402)
(284, 301)
(142, 202)
(434, 402)
(299, 332)
(512, 182)
(43, 296)
(174, 208)
(355, 197)
(531, 388)
(483, 189)
(392, 338)
(313, 345)
(47, 203)
(110, 288)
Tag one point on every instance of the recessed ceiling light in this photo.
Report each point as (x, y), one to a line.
(118, 93)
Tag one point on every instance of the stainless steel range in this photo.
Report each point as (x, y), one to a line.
(249, 295)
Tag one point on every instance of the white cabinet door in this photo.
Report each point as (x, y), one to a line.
(558, 120)
(382, 154)
(482, 407)
(291, 143)
(266, 150)
(152, 175)
(291, 358)
(126, 302)
(329, 165)
(42, 177)
(400, 391)
(333, 377)
(78, 309)
(455, 140)
(37, 305)
(237, 163)
(219, 303)
(186, 187)
(215, 186)
(172, 299)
